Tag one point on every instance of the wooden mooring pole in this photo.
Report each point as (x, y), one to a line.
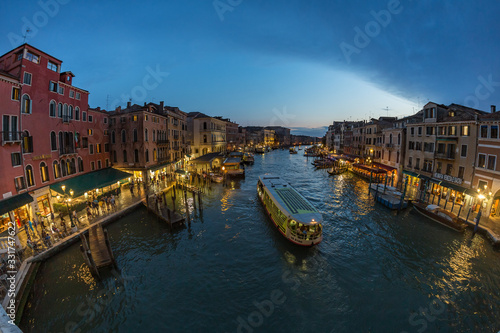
(187, 207)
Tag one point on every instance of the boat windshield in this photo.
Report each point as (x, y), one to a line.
(304, 231)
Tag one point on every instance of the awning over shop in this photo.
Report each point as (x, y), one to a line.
(90, 181)
(207, 158)
(181, 172)
(367, 168)
(16, 201)
(156, 167)
(414, 174)
(453, 186)
(383, 166)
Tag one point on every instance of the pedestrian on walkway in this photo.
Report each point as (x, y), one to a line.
(89, 214)
(132, 188)
(113, 203)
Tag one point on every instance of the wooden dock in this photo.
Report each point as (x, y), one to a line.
(101, 254)
(172, 218)
(97, 252)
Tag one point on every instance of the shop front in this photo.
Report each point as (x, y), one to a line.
(15, 209)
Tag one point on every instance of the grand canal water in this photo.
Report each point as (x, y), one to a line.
(375, 271)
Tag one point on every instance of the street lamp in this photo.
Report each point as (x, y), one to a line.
(66, 200)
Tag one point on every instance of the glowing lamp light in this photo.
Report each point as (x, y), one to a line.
(71, 192)
(58, 197)
(86, 195)
(96, 190)
(63, 188)
(481, 196)
(69, 199)
(223, 168)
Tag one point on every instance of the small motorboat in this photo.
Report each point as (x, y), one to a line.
(216, 177)
(439, 215)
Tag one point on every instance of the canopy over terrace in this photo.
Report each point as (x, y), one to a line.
(13, 202)
(87, 182)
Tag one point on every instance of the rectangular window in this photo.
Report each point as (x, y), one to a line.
(420, 131)
(463, 152)
(61, 90)
(106, 147)
(123, 119)
(464, 130)
(452, 130)
(98, 148)
(412, 131)
(441, 148)
(417, 163)
(19, 183)
(145, 117)
(16, 94)
(99, 164)
(77, 114)
(492, 161)
(71, 93)
(52, 66)
(16, 159)
(484, 131)
(481, 161)
(53, 86)
(449, 167)
(461, 171)
(84, 116)
(90, 118)
(27, 78)
(494, 132)
(441, 130)
(107, 163)
(429, 130)
(105, 120)
(32, 57)
(134, 118)
(439, 167)
(90, 131)
(429, 147)
(92, 165)
(85, 142)
(106, 132)
(91, 149)
(77, 95)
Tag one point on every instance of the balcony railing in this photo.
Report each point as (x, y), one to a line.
(11, 137)
(66, 150)
(164, 159)
(389, 145)
(162, 141)
(446, 156)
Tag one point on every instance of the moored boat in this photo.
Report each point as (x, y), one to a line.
(260, 149)
(248, 158)
(216, 177)
(439, 215)
(292, 150)
(294, 216)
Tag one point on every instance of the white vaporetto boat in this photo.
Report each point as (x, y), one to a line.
(294, 216)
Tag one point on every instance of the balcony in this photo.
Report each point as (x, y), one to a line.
(162, 142)
(66, 150)
(445, 156)
(163, 159)
(389, 145)
(11, 137)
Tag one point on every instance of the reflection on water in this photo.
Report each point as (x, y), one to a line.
(374, 271)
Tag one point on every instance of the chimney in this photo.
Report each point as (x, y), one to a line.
(161, 107)
(493, 108)
(129, 103)
(118, 109)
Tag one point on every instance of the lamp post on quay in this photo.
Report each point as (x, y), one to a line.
(66, 200)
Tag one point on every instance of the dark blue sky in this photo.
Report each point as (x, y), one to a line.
(292, 63)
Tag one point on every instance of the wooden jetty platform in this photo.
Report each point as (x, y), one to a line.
(172, 218)
(97, 252)
(389, 196)
(98, 243)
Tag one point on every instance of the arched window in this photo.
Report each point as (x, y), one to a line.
(147, 155)
(61, 142)
(30, 179)
(65, 111)
(390, 138)
(27, 142)
(113, 138)
(52, 109)
(154, 155)
(68, 167)
(146, 134)
(80, 164)
(60, 110)
(124, 136)
(77, 113)
(135, 134)
(57, 170)
(73, 166)
(26, 104)
(53, 141)
(125, 156)
(44, 172)
(63, 168)
(136, 156)
(70, 113)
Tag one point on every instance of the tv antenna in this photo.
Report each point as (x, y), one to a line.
(387, 110)
(26, 33)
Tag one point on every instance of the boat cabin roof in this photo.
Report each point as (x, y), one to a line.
(298, 207)
(232, 160)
